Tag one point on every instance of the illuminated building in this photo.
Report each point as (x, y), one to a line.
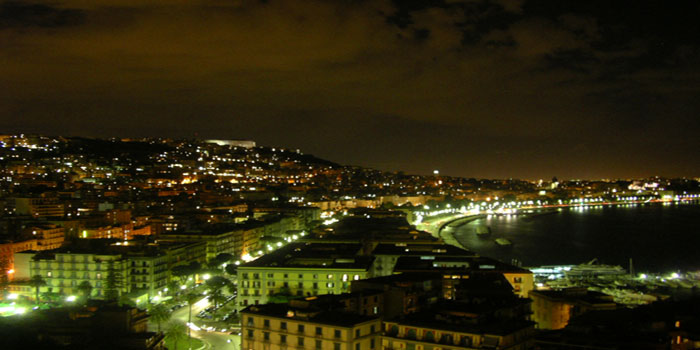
(8, 251)
(48, 236)
(218, 241)
(38, 207)
(234, 143)
(302, 269)
(141, 271)
(301, 324)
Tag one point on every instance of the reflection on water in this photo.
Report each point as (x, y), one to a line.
(658, 237)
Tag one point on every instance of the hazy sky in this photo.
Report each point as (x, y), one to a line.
(522, 89)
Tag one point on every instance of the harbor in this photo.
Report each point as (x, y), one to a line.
(626, 288)
(531, 236)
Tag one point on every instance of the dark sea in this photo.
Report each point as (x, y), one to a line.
(658, 237)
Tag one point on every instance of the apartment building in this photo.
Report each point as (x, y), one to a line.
(8, 250)
(37, 207)
(64, 270)
(403, 293)
(48, 236)
(456, 269)
(141, 271)
(302, 269)
(297, 325)
(217, 240)
(476, 324)
(552, 309)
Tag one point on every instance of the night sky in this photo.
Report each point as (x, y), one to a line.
(521, 89)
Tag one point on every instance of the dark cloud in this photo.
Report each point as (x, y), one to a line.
(16, 14)
(475, 88)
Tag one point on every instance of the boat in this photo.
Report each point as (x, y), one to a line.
(503, 242)
(483, 231)
(592, 269)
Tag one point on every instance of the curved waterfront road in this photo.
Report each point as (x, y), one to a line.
(436, 227)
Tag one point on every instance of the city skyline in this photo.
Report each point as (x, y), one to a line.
(493, 89)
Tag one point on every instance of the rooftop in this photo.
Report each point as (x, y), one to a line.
(436, 262)
(464, 316)
(112, 247)
(576, 294)
(309, 314)
(420, 249)
(319, 255)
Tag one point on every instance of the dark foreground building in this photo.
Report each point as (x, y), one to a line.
(105, 327)
(662, 325)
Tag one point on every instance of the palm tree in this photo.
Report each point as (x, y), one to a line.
(177, 331)
(218, 298)
(159, 314)
(191, 299)
(37, 282)
(85, 289)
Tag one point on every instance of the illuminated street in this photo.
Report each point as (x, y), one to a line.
(211, 339)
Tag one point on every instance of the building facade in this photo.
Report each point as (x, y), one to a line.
(552, 309)
(139, 272)
(278, 327)
(301, 269)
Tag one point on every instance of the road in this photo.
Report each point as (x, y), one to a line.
(212, 340)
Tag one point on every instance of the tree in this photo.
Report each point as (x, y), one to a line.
(220, 260)
(177, 331)
(231, 269)
(281, 297)
(218, 298)
(173, 287)
(191, 298)
(85, 289)
(37, 282)
(183, 272)
(159, 314)
(215, 285)
(112, 284)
